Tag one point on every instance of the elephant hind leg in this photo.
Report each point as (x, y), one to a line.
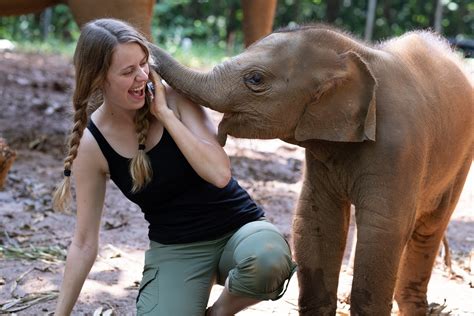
(415, 272)
(422, 249)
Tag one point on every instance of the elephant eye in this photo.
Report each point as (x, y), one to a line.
(254, 81)
(255, 78)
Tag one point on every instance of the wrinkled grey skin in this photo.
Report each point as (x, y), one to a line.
(388, 129)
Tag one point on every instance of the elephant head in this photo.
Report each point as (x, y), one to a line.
(296, 85)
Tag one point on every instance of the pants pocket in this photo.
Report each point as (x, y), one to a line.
(147, 298)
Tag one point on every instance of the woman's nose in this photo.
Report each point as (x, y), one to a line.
(142, 74)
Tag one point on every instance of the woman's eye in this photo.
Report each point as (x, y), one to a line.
(128, 73)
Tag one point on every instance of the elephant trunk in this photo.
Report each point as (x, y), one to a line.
(199, 87)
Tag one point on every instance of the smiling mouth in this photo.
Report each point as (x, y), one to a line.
(137, 92)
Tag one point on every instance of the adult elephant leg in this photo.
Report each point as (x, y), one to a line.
(8, 7)
(422, 249)
(137, 12)
(258, 19)
(320, 228)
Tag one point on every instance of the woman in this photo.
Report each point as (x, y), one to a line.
(161, 151)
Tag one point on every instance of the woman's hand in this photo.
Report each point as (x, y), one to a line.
(159, 107)
(193, 132)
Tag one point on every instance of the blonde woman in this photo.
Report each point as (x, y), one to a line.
(161, 151)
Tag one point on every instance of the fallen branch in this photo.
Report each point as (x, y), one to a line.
(19, 304)
(438, 309)
(18, 279)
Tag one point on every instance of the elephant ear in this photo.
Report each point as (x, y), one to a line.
(343, 109)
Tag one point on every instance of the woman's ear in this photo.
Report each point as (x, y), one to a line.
(343, 109)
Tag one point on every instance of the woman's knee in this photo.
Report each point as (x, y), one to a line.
(274, 260)
(263, 272)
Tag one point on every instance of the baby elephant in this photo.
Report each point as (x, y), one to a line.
(387, 128)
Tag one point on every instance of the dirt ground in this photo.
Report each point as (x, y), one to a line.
(35, 93)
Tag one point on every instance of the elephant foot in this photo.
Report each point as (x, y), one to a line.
(417, 310)
(370, 309)
(412, 303)
(311, 311)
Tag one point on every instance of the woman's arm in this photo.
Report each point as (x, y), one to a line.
(195, 136)
(90, 179)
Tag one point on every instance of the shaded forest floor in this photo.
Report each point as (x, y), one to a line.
(35, 93)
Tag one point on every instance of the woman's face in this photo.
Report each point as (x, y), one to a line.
(128, 73)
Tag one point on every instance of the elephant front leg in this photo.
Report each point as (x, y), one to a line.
(380, 243)
(320, 228)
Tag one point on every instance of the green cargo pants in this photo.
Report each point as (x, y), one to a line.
(177, 279)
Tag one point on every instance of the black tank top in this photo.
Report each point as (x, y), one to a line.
(178, 204)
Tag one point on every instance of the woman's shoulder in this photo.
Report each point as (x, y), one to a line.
(89, 153)
(88, 144)
(190, 113)
(178, 101)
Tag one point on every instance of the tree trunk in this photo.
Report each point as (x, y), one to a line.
(231, 28)
(45, 22)
(7, 157)
(438, 16)
(369, 25)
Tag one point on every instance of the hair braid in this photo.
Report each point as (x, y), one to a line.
(62, 195)
(140, 166)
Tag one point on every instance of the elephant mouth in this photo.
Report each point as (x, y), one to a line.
(238, 124)
(223, 128)
(232, 123)
(229, 118)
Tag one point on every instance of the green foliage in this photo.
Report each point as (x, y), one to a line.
(36, 27)
(201, 20)
(50, 46)
(393, 17)
(199, 55)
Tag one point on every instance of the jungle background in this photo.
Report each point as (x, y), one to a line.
(213, 29)
(36, 82)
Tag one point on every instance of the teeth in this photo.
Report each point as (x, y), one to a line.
(138, 89)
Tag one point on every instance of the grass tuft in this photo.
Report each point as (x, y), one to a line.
(49, 254)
